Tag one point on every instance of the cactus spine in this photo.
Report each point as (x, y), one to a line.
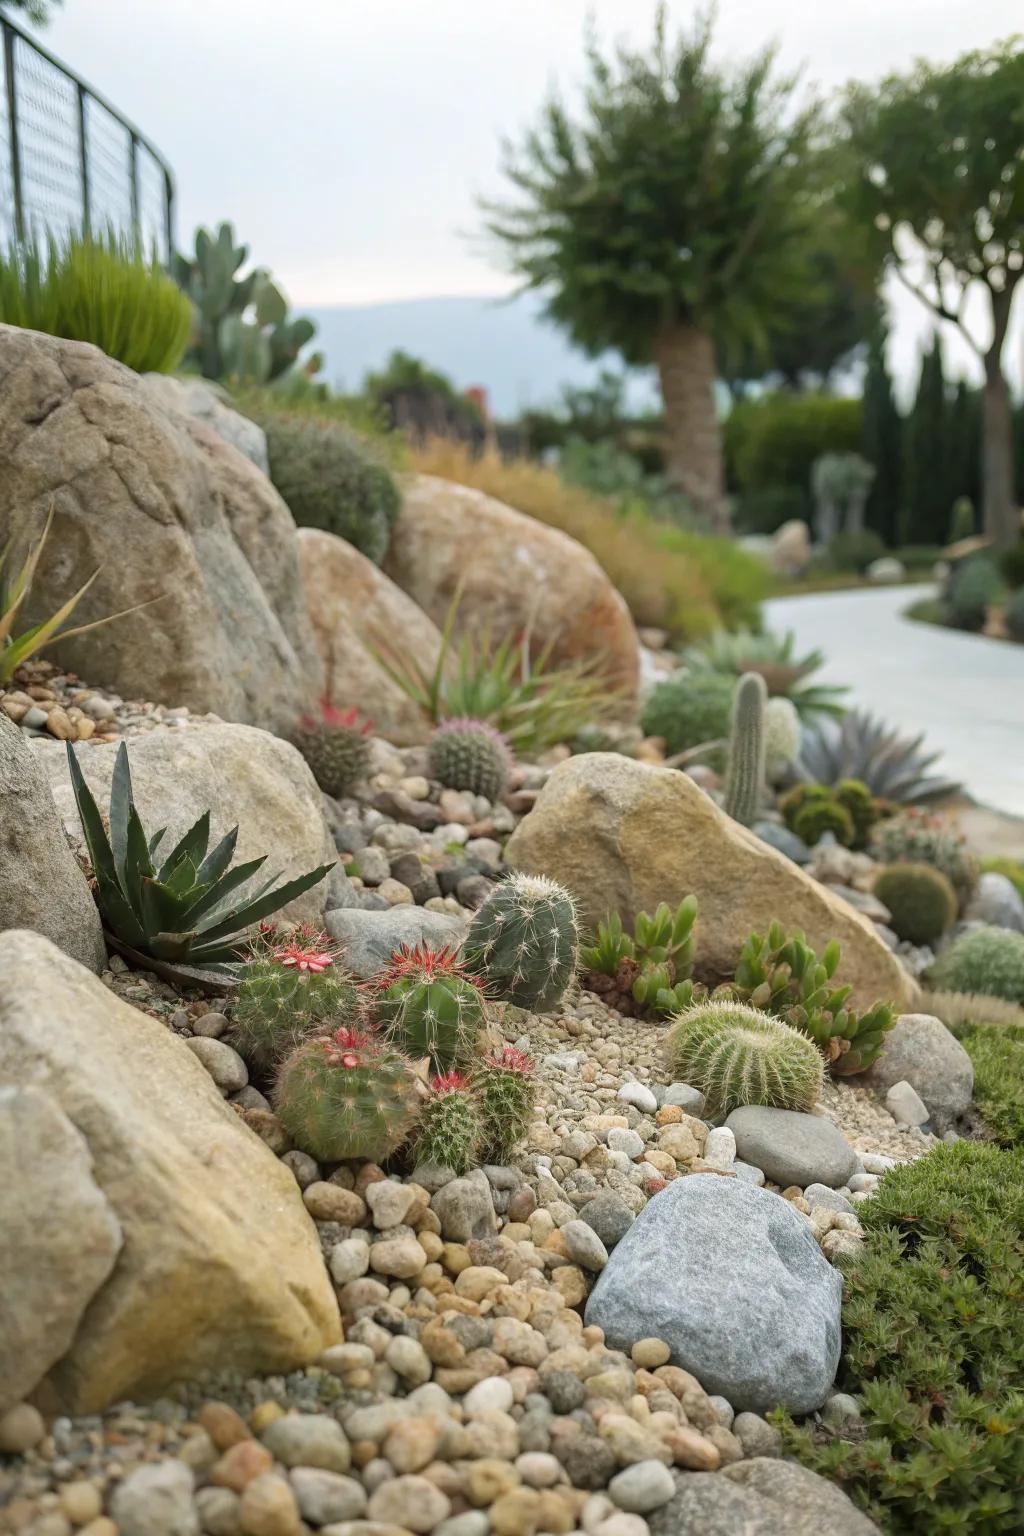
(745, 776)
(523, 942)
(347, 1095)
(470, 755)
(450, 1129)
(505, 1092)
(737, 1055)
(427, 1005)
(290, 990)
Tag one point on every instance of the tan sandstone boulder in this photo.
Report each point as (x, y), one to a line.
(221, 1267)
(166, 508)
(355, 609)
(624, 836)
(514, 572)
(243, 776)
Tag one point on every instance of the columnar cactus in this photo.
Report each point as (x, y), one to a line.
(335, 745)
(745, 775)
(426, 1002)
(347, 1095)
(471, 755)
(505, 1092)
(782, 736)
(737, 1055)
(523, 942)
(291, 988)
(450, 1130)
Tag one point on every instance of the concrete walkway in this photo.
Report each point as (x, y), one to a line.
(965, 692)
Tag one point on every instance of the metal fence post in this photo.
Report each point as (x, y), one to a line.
(133, 176)
(12, 129)
(83, 160)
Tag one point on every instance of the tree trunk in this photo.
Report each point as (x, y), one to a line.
(685, 358)
(1001, 515)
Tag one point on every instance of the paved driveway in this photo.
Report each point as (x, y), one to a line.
(965, 692)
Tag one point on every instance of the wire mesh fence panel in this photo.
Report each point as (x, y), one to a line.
(108, 146)
(152, 220)
(47, 107)
(6, 187)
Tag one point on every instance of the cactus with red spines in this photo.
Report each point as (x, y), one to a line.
(292, 987)
(451, 1129)
(347, 1095)
(427, 1004)
(335, 744)
(505, 1092)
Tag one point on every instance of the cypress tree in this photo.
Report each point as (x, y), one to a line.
(927, 498)
(964, 437)
(882, 442)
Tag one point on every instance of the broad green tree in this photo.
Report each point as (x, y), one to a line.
(671, 220)
(937, 177)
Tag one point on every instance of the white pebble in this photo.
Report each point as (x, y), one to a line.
(644, 1486)
(492, 1392)
(639, 1095)
(538, 1470)
(630, 1142)
(350, 1259)
(720, 1147)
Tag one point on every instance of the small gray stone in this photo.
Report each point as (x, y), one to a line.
(756, 1435)
(590, 1462)
(644, 1486)
(684, 1097)
(563, 1390)
(996, 901)
(223, 1063)
(304, 1167)
(465, 1208)
(823, 1197)
(432, 1176)
(720, 1147)
(473, 1523)
(156, 1500)
(326, 1496)
(584, 1246)
(638, 1095)
(723, 1410)
(921, 1051)
(905, 1105)
(369, 938)
(783, 840)
(218, 1511)
(629, 1142)
(747, 1172)
(610, 1217)
(792, 1148)
(840, 1408)
(877, 1162)
(210, 1024)
(308, 1440)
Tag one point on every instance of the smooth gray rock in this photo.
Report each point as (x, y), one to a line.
(997, 901)
(730, 1277)
(792, 1148)
(921, 1051)
(760, 1497)
(465, 1208)
(822, 1197)
(686, 1098)
(369, 938)
(610, 1217)
(783, 840)
(207, 403)
(905, 1105)
(156, 1500)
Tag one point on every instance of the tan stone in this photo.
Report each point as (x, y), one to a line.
(624, 836)
(165, 508)
(514, 573)
(220, 1267)
(350, 602)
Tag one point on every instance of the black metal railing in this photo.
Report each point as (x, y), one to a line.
(71, 161)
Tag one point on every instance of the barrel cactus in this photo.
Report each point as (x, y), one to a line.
(426, 1002)
(921, 901)
(347, 1095)
(745, 773)
(450, 1130)
(523, 942)
(291, 988)
(335, 744)
(470, 755)
(505, 1092)
(737, 1055)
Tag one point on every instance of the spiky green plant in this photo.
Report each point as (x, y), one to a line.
(893, 767)
(737, 1055)
(783, 976)
(745, 773)
(814, 818)
(920, 838)
(335, 744)
(774, 658)
(181, 911)
(293, 987)
(922, 903)
(986, 959)
(347, 1095)
(955, 1008)
(651, 966)
(505, 1091)
(523, 942)
(428, 1004)
(450, 1130)
(470, 755)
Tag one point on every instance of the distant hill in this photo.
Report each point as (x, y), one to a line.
(502, 344)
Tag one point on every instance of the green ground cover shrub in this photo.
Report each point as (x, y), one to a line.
(933, 1328)
(983, 959)
(772, 441)
(689, 708)
(104, 291)
(997, 1051)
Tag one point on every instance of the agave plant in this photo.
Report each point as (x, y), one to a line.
(893, 767)
(183, 910)
(773, 658)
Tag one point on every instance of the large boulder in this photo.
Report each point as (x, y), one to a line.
(514, 574)
(41, 885)
(356, 611)
(624, 836)
(243, 776)
(760, 1497)
(61, 1237)
(730, 1277)
(206, 402)
(920, 1051)
(220, 1267)
(165, 508)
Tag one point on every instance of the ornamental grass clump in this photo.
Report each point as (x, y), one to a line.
(450, 1130)
(737, 1055)
(505, 1091)
(427, 1003)
(292, 987)
(347, 1095)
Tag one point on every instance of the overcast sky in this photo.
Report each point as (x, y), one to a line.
(348, 139)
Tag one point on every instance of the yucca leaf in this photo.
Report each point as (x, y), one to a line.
(117, 913)
(191, 846)
(218, 953)
(218, 858)
(137, 865)
(156, 840)
(120, 806)
(263, 906)
(96, 840)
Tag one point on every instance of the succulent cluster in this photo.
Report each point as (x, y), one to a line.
(427, 1004)
(917, 837)
(921, 901)
(335, 744)
(986, 959)
(649, 971)
(848, 810)
(745, 776)
(348, 1094)
(470, 755)
(737, 1055)
(784, 977)
(523, 942)
(292, 988)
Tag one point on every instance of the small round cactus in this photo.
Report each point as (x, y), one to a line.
(471, 755)
(817, 817)
(335, 744)
(427, 1004)
(347, 1095)
(922, 903)
(737, 1055)
(505, 1092)
(523, 942)
(986, 959)
(451, 1129)
(292, 988)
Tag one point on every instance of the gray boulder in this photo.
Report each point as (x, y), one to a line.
(730, 1277)
(921, 1051)
(997, 901)
(760, 1497)
(205, 402)
(792, 1148)
(369, 938)
(41, 884)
